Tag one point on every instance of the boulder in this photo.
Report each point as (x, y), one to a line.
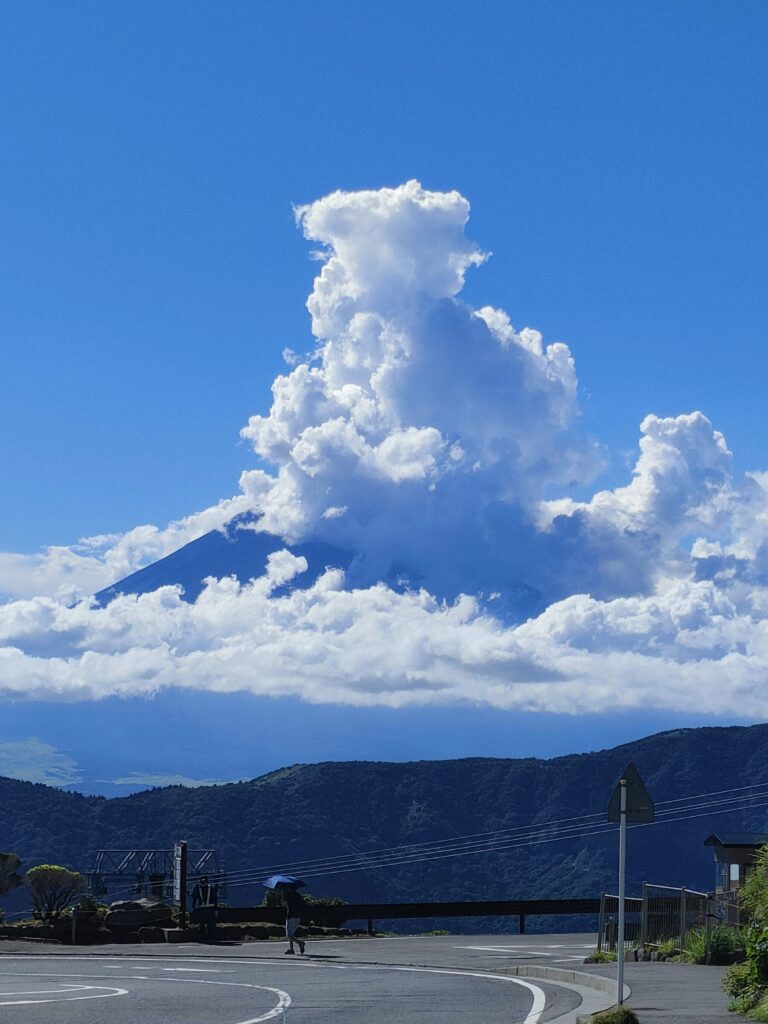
(133, 914)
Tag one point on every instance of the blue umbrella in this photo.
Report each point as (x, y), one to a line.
(275, 881)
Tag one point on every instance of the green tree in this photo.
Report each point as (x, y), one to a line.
(9, 863)
(53, 888)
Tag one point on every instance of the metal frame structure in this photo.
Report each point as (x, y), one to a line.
(150, 870)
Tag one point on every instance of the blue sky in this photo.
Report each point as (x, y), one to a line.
(613, 153)
(151, 273)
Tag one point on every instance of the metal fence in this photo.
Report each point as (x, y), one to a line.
(607, 931)
(669, 913)
(664, 914)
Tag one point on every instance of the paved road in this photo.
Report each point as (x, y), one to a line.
(120, 990)
(427, 980)
(437, 980)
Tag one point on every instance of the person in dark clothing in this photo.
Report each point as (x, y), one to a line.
(205, 900)
(295, 906)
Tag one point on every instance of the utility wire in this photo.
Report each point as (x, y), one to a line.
(505, 846)
(440, 846)
(498, 841)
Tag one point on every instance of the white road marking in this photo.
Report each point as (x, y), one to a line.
(539, 998)
(284, 1000)
(65, 995)
(516, 950)
(282, 1004)
(197, 970)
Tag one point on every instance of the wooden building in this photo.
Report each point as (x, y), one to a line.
(734, 856)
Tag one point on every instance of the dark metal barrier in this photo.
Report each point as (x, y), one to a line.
(335, 917)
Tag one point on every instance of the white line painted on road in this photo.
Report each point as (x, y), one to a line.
(520, 952)
(284, 1000)
(197, 970)
(65, 995)
(539, 998)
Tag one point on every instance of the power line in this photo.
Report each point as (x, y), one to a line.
(501, 840)
(505, 846)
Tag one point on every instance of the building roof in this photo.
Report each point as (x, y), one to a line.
(753, 839)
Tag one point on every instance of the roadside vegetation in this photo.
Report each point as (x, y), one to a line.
(53, 889)
(747, 983)
(617, 1015)
(724, 944)
(600, 956)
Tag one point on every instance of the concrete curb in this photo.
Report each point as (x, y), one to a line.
(597, 993)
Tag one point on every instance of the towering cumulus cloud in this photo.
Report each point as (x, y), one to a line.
(422, 432)
(426, 439)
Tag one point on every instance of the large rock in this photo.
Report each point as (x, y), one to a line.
(133, 914)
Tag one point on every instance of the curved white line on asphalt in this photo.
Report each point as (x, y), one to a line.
(282, 1004)
(534, 1015)
(539, 998)
(283, 999)
(65, 997)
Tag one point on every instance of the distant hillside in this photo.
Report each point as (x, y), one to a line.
(324, 810)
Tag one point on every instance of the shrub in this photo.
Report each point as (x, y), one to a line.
(696, 946)
(669, 948)
(90, 907)
(53, 888)
(618, 1015)
(738, 979)
(722, 943)
(760, 1012)
(748, 983)
(600, 956)
(757, 950)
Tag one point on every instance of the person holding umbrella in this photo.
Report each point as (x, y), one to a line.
(287, 887)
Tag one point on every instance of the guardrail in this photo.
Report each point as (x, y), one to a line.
(334, 917)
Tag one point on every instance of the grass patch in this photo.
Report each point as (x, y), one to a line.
(723, 943)
(668, 948)
(601, 956)
(618, 1015)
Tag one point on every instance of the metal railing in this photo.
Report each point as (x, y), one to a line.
(607, 930)
(335, 916)
(665, 914)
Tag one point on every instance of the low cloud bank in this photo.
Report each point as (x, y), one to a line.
(34, 761)
(427, 437)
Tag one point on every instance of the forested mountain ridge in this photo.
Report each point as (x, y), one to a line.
(324, 810)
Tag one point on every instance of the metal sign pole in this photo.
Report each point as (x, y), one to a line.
(622, 872)
(630, 801)
(180, 880)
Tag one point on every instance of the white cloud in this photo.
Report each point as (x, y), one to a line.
(427, 438)
(328, 644)
(34, 761)
(136, 779)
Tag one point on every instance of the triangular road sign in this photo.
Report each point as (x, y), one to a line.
(639, 804)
